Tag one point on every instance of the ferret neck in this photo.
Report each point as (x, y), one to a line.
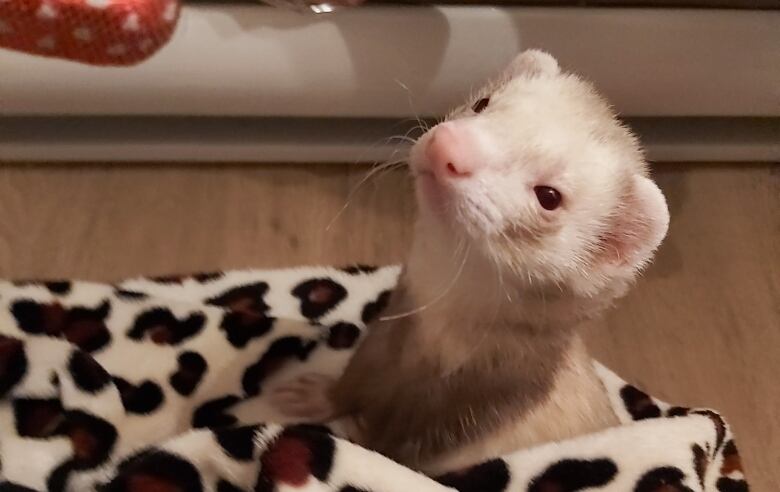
(448, 282)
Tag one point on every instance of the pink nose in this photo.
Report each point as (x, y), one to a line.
(452, 152)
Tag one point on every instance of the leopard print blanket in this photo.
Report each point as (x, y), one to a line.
(157, 384)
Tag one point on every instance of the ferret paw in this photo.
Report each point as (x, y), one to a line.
(305, 397)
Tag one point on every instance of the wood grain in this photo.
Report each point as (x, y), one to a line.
(701, 328)
(106, 223)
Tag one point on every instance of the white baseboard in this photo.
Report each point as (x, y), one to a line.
(257, 140)
(391, 62)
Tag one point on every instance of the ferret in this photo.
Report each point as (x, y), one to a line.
(536, 213)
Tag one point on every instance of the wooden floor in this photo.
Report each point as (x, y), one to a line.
(701, 328)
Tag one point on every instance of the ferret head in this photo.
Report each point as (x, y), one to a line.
(540, 177)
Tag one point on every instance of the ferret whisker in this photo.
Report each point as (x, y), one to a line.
(380, 142)
(459, 248)
(499, 275)
(409, 120)
(516, 248)
(376, 169)
(411, 102)
(401, 138)
(421, 127)
(468, 422)
(437, 298)
(418, 127)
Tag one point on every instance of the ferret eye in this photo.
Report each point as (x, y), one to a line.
(549, 198)
(480, 105)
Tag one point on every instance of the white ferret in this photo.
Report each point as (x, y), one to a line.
(535, 213)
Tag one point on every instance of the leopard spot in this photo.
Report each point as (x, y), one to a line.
(130, 295)
(300, 451)
(318, 296)
(372, 309)
(88, 375)
(155, 471)
(677, 412)
(343, 336)
(205, 277)
(358, 268)
(490, 476)
(726, 484)
(83, 327)
(56, 287)
(38, 418)
(192, 367)
(168, 279)
(62, 287)
(638, 403)
(664, 479)
(731, 460)
(213, 413)
(247, 316)
(718, 422)
(700, 463)
(13, 487)
(238, 443)
(13, 363)
(163, 328)
(245, 298)
(92, 438)
(226, 486)
(58, 478)
(141, 399)
(570, 475)
(39, 319)
(241, 327)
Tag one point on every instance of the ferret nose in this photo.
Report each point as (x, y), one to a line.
(451, 152)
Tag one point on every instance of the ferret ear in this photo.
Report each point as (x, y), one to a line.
(534, 63)
(638, 228)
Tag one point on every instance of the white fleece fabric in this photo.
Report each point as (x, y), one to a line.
(158, 385)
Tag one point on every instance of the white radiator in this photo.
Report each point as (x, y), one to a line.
(245, 66)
